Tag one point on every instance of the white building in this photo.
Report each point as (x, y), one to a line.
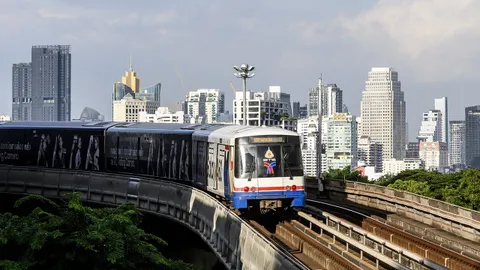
(307, 129)
(383, 112)
(5, 118)
(441, 104)
(341, 141)
(163, 115)
(394, 166)
(434, 155)
(263, 108)
(431, 128)
(205, 102)
(127, 108)
(456, 146)
(370, 153)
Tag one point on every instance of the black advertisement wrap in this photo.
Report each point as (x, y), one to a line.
(66, 149)
(163, 155)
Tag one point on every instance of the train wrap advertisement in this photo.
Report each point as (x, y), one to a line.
(66, 149)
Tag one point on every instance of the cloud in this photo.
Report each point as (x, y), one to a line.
(436, 38)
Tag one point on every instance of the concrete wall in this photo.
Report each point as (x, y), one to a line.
(451, 218)
(236, 243)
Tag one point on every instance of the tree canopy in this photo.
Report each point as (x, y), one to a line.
(344, 174)
(460, 188)
(72, 236)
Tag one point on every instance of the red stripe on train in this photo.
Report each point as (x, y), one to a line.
(269, 188)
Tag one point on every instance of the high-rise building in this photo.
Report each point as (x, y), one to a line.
(276, 93)
(130, 79)
(41, 90)
(341, 143)
(370, 153)
(263, 108)
(331, 99)
(296, 109)
(383, 112)
(441, 104)
(431, 127)
(128, 99)
(307, 128)
(205, 103)
(472, 136)
(456, 146)
(22, 92)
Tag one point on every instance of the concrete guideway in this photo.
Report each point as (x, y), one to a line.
(236, 243)
(459, 221)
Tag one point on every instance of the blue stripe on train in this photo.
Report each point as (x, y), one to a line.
(240, 198)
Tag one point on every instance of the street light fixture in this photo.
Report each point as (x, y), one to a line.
(243, 72)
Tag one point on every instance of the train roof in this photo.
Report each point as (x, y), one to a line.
(140, 126)
(56, 124)
(235, 131)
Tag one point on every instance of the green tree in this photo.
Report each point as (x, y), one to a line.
(73, 236)
(417, 187)
(344, 174)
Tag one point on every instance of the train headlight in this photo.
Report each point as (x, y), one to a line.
(253, 189)
(288, 188)
(245, 189)
(294, 187)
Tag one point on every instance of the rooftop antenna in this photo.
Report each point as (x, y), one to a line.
(131, 68)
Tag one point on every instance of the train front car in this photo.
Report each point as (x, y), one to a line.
(268, 170)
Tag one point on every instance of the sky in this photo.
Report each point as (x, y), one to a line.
(433, 44)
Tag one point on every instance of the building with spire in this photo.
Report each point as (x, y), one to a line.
(128, 99)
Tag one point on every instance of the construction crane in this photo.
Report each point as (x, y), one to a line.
(233, 88)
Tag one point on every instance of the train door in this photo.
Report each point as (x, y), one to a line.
(212, 163)
(221, 168)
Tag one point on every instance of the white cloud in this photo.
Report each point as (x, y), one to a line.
(430, 36)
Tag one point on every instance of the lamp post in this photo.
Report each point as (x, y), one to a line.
(319, 135)
(244, 73)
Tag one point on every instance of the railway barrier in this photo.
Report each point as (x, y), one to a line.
(234, 241)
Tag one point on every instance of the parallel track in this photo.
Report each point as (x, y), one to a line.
(422, 247)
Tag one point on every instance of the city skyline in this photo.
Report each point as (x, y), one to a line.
(171, 28)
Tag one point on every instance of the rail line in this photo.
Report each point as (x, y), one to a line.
(430, 251)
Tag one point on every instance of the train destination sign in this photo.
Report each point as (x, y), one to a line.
(268, 139)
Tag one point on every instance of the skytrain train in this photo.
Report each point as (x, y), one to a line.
(250, 167)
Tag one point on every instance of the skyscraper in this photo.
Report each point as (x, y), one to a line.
(41, 90)
(206, 103)
(51, 83)
(331, 99)
(472, 136)
(383, 112)
(130, 79)
(456, 146)
(441, 104)
(22, 92)
(431, 127)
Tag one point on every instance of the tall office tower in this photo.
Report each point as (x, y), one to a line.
(431, 127)
(307, 129)
(296, 109)
(383, 112)
(456, 146)
(472, 136)
(205, 103)
(51, 83)
(130, 79)
(441, 104)
(22, 92)
(331, 99)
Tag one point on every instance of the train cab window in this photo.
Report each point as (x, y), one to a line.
(292, 159)
(245, 161)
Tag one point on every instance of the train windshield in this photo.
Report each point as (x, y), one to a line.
(268, 160)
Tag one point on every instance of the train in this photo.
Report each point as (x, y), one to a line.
(249, 167)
